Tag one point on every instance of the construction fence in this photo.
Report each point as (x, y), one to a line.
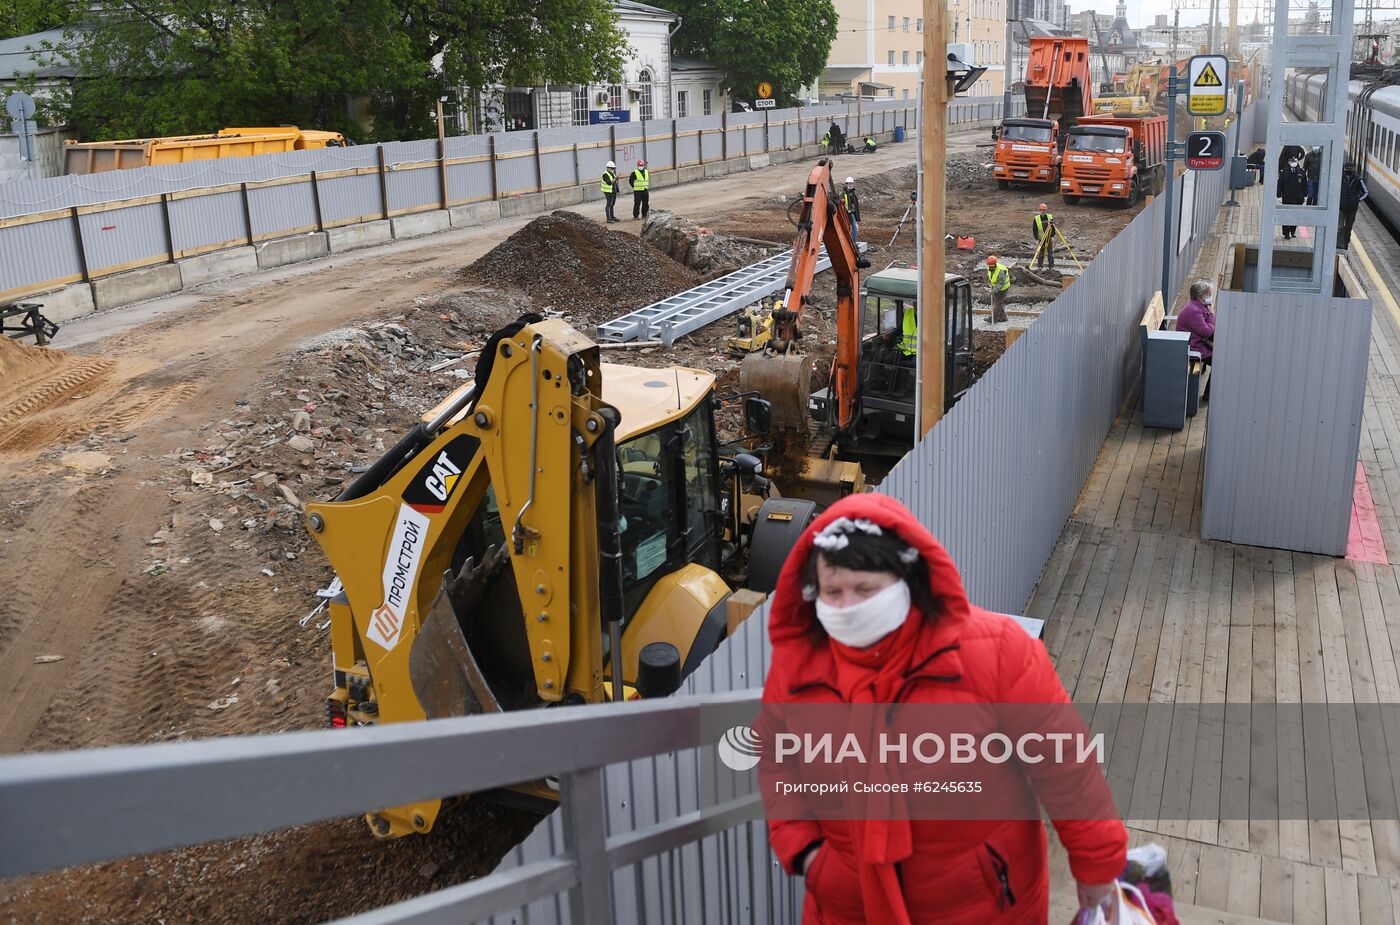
(73, 229)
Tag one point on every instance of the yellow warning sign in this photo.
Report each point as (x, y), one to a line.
(1208, 77)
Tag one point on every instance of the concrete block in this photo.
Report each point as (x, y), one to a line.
(420, 223)
(757, 161)
(716, 169)
(559, 198)
(664, 178)
(217, 265)
(282, 251)
(64, 304)
(135, 285)
(526, 204)
(692, 173)
(592, 193)
(477, 213)
(362, 234)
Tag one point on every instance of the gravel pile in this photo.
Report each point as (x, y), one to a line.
(697, 247)
(572, 265)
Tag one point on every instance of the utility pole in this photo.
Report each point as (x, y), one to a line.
(1232, 40)
(932, 138)
(1012, 12)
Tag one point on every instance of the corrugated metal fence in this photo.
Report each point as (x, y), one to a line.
(995, 481)
(69, 229)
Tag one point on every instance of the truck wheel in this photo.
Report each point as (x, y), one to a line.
(1131, 199)
(1002, 184)
(1070, 200)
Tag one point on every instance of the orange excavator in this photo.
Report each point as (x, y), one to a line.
(867, 406)
(780, 373)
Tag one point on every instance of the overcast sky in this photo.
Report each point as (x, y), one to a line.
(1142, 12)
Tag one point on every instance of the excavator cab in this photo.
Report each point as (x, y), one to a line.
(888, 387)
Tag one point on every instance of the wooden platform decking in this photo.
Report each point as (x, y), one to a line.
(1140, 609)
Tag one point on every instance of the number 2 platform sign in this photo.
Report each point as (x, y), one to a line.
(1205, 150)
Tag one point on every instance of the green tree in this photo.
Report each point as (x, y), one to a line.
(22, 17)
(783, 42)
(169, 67)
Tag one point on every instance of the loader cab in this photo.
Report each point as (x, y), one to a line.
(887, 376)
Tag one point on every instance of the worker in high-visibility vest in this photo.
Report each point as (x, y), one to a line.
(909, 332)
(609, 189)
(999, 280)
(640, 181)
(1043, 224)
(850, 201)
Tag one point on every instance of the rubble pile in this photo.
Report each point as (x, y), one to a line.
(571, 265)
(695, 246)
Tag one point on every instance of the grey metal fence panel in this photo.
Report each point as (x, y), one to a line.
(687, 143)
(712, 141)
(412, 187)
(281, 209)
(121, 238)
(659, 155)
(558, 163)
(515, 163)
(1285, 420)
(207, 222)
(470, 181)
(350, 198)
(37, 253)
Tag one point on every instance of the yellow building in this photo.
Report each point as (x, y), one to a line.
(879, 46)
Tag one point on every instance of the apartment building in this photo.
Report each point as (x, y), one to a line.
(879, 46)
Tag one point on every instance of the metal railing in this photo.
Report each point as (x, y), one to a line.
(93, 805)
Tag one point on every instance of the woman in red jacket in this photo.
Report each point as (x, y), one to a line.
(869, 608)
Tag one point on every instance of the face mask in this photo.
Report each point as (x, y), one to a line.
(869, 621)
(1292, 163)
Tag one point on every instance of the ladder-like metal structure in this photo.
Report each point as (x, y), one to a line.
(693, 309)
(1326, 47)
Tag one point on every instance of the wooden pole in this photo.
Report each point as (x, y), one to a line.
(932, 137)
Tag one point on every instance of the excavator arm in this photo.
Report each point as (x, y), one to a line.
(821, 221)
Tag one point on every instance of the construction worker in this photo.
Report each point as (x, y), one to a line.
(640, 181)
(609, 188)
(869, 146)
(999, 279)
(1043, 224)
(851, 203)
(909, 333)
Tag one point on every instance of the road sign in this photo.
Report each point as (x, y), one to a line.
(1205, 150)
(765, 90)
(1206, 80)
(20, 106)
(765, 104)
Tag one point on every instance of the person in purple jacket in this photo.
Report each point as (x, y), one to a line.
(1198, 319)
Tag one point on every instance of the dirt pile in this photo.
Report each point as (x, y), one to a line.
(21, 362)
(568, 264)
(696, 246)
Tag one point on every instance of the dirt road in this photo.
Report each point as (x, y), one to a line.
(150, 534)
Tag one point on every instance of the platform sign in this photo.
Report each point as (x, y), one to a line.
(765, 104)
(1205, 150)
(765, 90)
(1207, 79)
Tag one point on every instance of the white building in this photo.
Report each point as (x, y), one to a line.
(654, 84)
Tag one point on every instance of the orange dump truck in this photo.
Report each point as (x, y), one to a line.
(1114, 157)
(101, 156)
(1058, 92)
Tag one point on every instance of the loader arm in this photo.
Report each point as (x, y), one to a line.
(822, 221)
(533, 435)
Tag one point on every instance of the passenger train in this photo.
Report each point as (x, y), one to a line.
(1373, 127)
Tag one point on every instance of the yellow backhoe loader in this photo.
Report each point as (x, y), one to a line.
(559, 531)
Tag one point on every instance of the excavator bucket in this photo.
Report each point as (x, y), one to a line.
(784, 380)
(446, 677)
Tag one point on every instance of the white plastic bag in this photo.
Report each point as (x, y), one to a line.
(1152, 857)
(1120, 911)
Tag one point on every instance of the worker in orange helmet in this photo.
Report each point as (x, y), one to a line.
(999, 279)
(1043, 225)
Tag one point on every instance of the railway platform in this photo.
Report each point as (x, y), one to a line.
(1139, 608)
